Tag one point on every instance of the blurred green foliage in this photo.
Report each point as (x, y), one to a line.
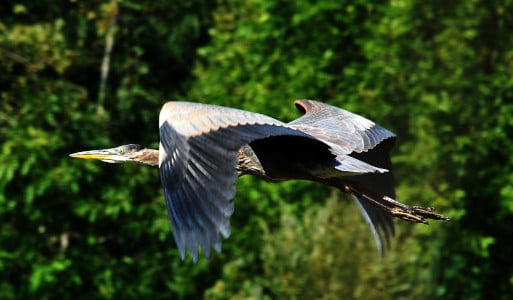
(438, 73)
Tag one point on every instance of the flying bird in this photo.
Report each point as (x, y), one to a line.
(204, 149)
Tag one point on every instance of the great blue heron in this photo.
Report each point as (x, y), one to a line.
(204, 148)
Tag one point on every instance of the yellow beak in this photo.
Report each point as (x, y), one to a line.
(107, 155)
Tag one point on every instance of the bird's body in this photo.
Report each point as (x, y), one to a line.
(204, 148)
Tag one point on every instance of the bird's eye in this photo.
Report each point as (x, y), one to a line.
(122, 151)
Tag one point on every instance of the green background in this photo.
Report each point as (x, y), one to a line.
(437, 73)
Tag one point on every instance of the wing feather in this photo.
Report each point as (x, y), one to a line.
(360, 141)
(353, 133)
(381, 223)
(197, 159)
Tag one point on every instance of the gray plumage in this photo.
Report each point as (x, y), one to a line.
(204, 148)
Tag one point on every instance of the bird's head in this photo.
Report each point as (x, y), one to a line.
(126, 153)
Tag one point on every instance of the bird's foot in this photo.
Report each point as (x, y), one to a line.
(415, 214)
(407, 215)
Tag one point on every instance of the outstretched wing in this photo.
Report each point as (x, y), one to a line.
(364, 140)
(197, 160)
(351, 132)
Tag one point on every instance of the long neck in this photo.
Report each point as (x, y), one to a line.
(147, 156)
(247, 164)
